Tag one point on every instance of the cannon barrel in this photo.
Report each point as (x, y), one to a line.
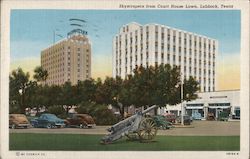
(129, 120)
(149, 109)
(123, 123)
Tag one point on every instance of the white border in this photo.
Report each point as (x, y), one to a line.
(6, 7)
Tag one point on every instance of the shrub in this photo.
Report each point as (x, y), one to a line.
(101, 114)
(14, 109)
(104, 116)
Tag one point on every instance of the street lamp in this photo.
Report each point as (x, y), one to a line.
(182, 107)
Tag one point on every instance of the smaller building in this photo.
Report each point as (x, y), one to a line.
(209, 102)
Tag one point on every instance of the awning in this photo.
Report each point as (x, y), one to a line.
(221, 107)
(190, 107)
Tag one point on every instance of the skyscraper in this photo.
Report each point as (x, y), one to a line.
(154, 44)
(68, 59)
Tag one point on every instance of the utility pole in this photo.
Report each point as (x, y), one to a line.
(182, 107)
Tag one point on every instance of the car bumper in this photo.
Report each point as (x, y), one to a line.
(59, 125)
(91, 125)
(23, 125)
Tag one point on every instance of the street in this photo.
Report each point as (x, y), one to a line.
(197, 128)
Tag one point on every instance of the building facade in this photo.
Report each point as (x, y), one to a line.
(209, 102)
(153, 44)
(68, 60)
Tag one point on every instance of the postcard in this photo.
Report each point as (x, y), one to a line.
(124, 79)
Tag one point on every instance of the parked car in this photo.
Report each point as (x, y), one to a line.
(210, 116)
(80, 120)
(161, 122)
(170, 117)
(47, 121)
(186, 118)
(223, 116)
(196, 116)
(18, 120)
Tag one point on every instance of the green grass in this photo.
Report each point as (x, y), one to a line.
(76, 142)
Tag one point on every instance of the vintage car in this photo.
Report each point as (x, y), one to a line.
(47, 121)
(80, 120)
(170, 117)
(161, 122)
(196, 116)
(186, 119)
(210, 116)
(18, 120)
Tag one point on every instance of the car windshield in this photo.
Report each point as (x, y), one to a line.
(51, 116)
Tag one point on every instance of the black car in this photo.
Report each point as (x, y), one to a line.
(187, 119)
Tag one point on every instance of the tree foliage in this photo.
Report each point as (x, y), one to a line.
(41, 74)
(160, 85)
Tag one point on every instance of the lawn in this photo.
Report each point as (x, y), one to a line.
(76, 142)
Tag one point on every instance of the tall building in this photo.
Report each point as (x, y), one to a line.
(153, 44)
(68, 60)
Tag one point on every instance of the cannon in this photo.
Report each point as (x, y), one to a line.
(136, 127)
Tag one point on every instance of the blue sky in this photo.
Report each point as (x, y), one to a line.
(36, 26)
(32, 30)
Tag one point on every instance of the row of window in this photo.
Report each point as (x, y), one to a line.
(211, 43)
(174, 49)
(164, 30)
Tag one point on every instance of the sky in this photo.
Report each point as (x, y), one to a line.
(32, 31)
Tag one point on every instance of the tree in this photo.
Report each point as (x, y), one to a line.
(85, 90)
(191, 86)
(160, 86)
(41, 74)
(109, 92)
(19, 82)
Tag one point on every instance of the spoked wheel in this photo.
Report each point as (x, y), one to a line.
(147, 129)
(133, 136)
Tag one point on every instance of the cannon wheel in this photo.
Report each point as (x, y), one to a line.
(147, 129)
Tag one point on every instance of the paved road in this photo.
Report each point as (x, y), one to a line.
(198, 128)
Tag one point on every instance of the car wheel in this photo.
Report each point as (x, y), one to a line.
(49, 126)
(81, 126)
(13, 126)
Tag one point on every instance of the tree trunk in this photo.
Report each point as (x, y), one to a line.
(121, 110)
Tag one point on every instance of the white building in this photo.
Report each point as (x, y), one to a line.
(153, 44)
(212, 102)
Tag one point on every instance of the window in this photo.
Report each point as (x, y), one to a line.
(179, 40)
(174, 38)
